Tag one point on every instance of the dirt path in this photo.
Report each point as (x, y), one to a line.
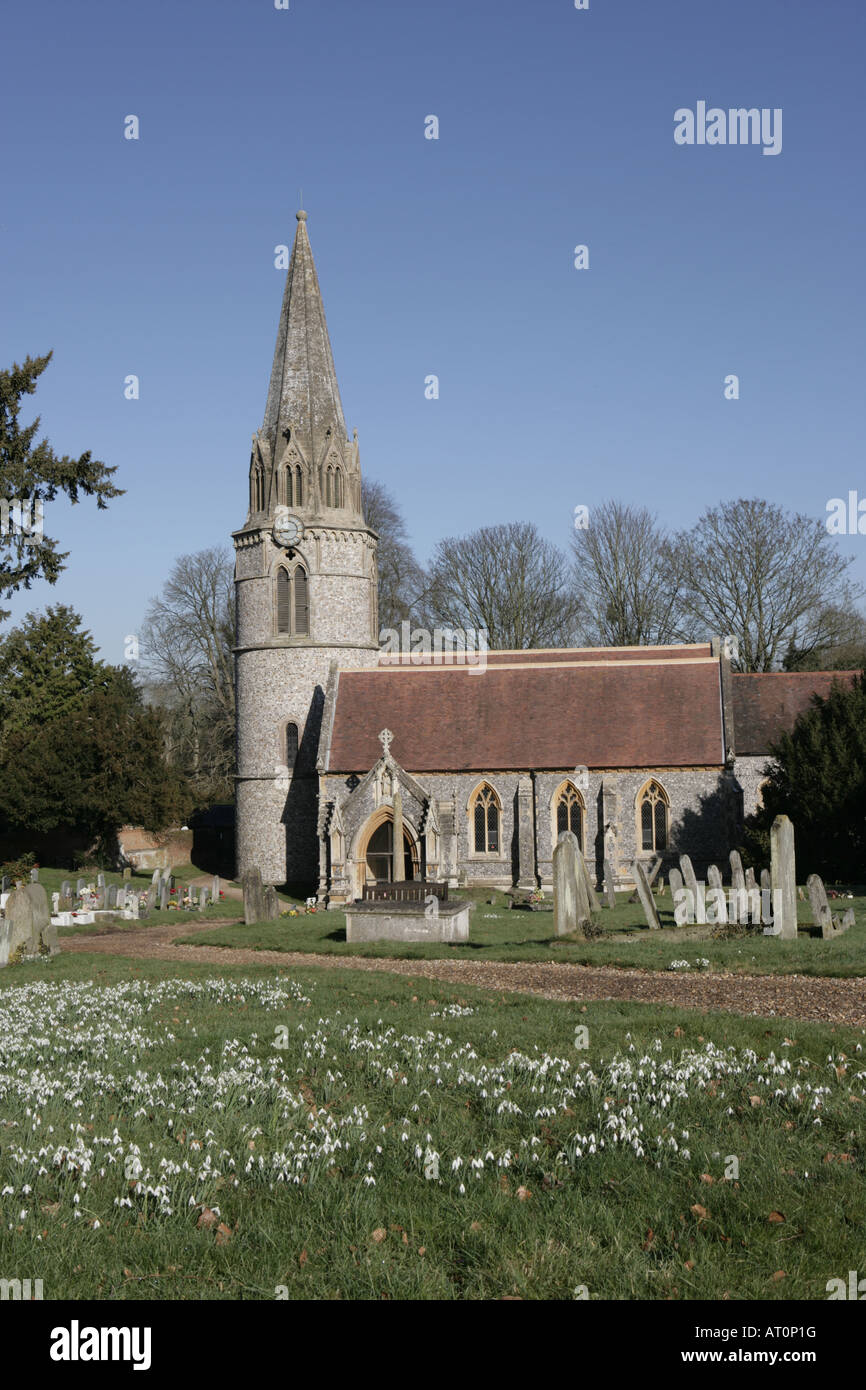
(819, 999)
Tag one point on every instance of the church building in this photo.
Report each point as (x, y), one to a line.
(356, 765)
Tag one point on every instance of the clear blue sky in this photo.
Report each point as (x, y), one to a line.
(452, 257)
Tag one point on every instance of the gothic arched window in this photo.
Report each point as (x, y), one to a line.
(653, 810)
(569, 811)
(485, 812)
(258, 489)
(299, 487)
(338, 488)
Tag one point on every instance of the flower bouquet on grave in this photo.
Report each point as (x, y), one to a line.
(536, 897)
(311, 905)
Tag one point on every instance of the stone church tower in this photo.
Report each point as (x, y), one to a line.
(305, 586)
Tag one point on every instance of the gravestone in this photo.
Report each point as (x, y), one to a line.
(609, 889)
(689, 877)
(17, 928)
(583, 870)
(565, 886)
(644, 893)
(163, 896)
(650, 877)
(736, 864)
(750, 880)
(765, 880)
(80, 885)
(821, 914)
(675, 879)
(848, 919)
(254, 897)
(215, 888)
(66, 889)
(55, 904)
(714, 876)
(111, 896)
(272, 904)
(783, 878)
(193, 897)
(157, 874)
(120, 899)
(4, 884)
(151, 899)
(41, 911)
(100, 880)
(127, 874)
(34, 875)
(203, 899)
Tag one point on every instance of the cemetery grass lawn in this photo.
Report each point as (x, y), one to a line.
(497, 933)
(195, 1078)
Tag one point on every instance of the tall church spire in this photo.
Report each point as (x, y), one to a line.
(303, 394)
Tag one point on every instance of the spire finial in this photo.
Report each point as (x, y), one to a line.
(301, 216)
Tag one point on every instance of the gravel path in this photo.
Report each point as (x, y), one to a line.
(806, 997)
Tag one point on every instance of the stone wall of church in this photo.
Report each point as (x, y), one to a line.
(749, 773)
(704, 820)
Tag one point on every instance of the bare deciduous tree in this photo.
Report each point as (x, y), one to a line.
(772, 578)
(628, 578)
(187, 642)
(509, 580)
(402, 581)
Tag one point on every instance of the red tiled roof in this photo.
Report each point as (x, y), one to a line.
(642, 711)
(767, 704)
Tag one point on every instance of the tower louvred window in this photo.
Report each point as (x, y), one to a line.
(338, 488)
(291, 744)
(299, 487)
(283, 608)
(302, 611)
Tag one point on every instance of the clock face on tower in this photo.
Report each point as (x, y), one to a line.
(288, 530)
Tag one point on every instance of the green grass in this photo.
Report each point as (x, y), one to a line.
(497, 933)
(170, 1070)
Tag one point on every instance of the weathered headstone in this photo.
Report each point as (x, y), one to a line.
(736, 864)
(80, 885)
(272, 904)
(55, 904)
(163, 896)
(750, 880)
(583, 870)
(157, 874)
(66, 889)
(41, 911)
(151, 898)
(609, 889)
(215, 888)
(689, 876)
(120, 900)
(714, 876)
(34, 875)
(783, 878)
(254, 897)
(821, 914)
(565, 886)
(127, 874)
(644, 893)
(649, 876)
(765, 880)
(111, 896)
(4, 884)
(16, 929)
(675, 879)
(100, 879)
(203, 899)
